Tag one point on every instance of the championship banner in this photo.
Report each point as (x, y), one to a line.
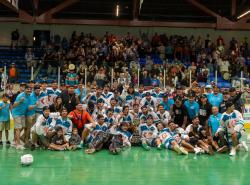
(246, 116)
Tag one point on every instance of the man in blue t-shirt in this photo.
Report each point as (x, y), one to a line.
(215, 98)
(19, 112)
(31, 112)
(191, 106)
(213, 125)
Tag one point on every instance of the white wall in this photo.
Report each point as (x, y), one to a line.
(66, 30)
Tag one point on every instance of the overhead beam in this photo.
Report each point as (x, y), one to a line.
(203, 8)
(24, 17)
(9, 5)
(133, 23)
(233, 7)
(58, 8)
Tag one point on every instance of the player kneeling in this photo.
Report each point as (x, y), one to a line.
(232, 125)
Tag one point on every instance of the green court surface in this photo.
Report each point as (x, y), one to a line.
(133, 166)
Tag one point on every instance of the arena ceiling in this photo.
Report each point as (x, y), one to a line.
(219, 14)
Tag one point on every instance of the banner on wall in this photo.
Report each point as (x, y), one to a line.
(246, 114)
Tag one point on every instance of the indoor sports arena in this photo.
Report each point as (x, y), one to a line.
(105, 92)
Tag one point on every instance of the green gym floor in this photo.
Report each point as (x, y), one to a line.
(133, 167)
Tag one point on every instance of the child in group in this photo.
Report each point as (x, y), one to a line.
(5, 118)
(58, 141)
(148, 133)
(164, 139)
(74, 140)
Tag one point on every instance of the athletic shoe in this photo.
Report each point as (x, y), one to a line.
(7, 142)
(244, 145)
(20, 147)
(222, 149)
(197, 150)
(183, 151)
(145, 146)
(90, 151)
(232, 152)
(159, 147)
(1, 143)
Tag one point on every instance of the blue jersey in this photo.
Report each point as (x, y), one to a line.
(125, 134)
(66, 124)
(192, 108)
(144, 128)
(131, 97)
(98, 128)
(54, 93)
(33, 99)
(167, 105)
(214, 122)
(84, 94)
(107, 97)
(4, 112)
(109, 121)
(21, 108)
(215, 100)
(43, 100)
(94, 98)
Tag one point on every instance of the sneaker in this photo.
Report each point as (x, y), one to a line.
(1, 143)
(90, 151)
(197, 150)
(7, 142)
(20, 147)
(13, 144)
(222, 149)
(232, 152)
(183, 151)
(145, 146)
(244, 145)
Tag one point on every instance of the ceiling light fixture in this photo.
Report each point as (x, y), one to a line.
(117, 10)
(244, 14)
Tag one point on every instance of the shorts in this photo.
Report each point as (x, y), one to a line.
(19, 122)
(4, 125)
(168, 143)
(30, 121)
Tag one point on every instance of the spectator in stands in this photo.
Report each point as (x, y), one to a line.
(71, 78)
(14, 39)
(29, 56)
(13, 73)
